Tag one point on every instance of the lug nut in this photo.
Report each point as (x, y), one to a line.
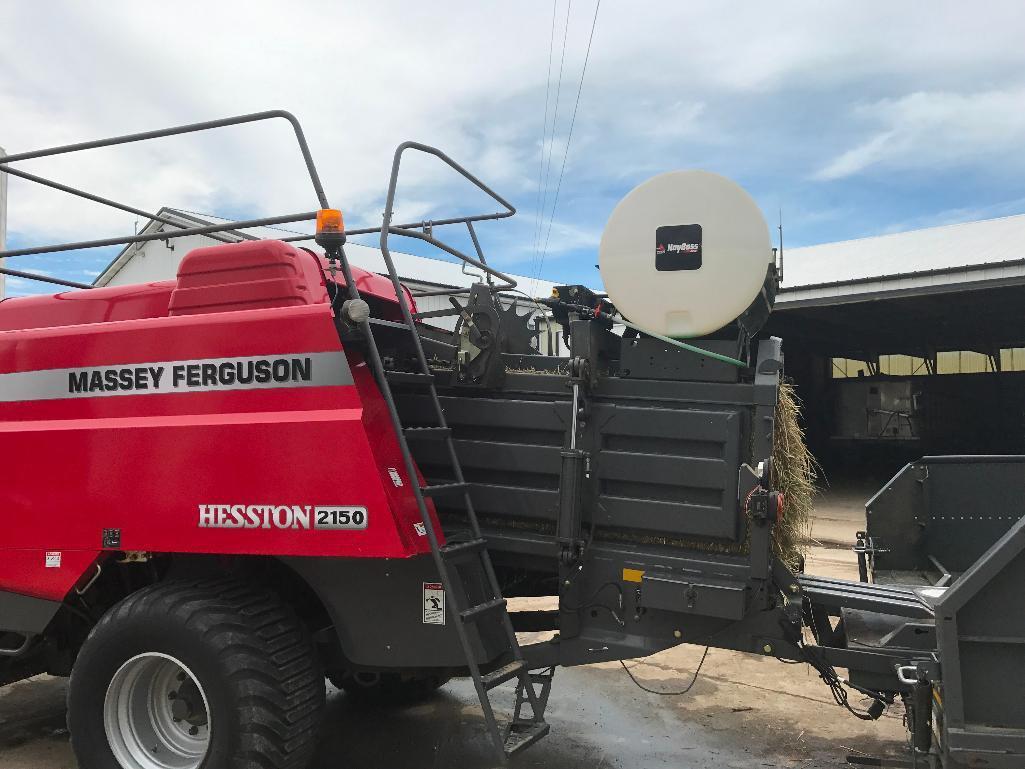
(194, 731)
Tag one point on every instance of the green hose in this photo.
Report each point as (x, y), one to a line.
(684, 345)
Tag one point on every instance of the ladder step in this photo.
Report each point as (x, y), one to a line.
(459, 549)
(432, 433)
(444, 488)
(388, 324)
(408, 377)
(522, 736)
(503, 674)
(476, 612)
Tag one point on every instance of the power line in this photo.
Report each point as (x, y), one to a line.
(569, 139)
(555, 121)
(544, 135)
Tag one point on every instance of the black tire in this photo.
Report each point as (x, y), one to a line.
(389, 689)
(252, 657)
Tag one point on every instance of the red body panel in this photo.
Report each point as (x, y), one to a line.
(144, 459)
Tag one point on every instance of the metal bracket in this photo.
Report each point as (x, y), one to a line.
(576, 468)
(92, 580)
(543, 679)
(17, 652)
(865, 548)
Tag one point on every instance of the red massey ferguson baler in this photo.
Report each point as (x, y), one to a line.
(220, 418)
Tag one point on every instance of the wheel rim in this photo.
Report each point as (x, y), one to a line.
(156, 714)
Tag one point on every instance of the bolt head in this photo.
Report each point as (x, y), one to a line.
(356, 310)
(194, 731)
(767, 648)
(677, 634)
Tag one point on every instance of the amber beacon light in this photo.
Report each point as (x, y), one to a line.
(330, 227)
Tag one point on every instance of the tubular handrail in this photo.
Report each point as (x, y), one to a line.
(410, 229)
(205, 230)
(97, 199)
(183, 129)
(44, 278)
(388, 229)
(420, 231)
(211, 230)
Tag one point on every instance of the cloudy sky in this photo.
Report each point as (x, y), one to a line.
(854, 118)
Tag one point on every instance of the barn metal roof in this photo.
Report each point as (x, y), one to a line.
(933, 260)
(937, 260)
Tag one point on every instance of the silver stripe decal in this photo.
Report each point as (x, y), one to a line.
(256, 372)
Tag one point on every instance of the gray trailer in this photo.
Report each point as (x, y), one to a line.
(951, 528)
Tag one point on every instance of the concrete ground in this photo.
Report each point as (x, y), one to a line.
(840, 512)
(744, 711)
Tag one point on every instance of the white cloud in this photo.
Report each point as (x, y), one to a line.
(936, 130)
(753, 89)
(946, 216)
(555, 241)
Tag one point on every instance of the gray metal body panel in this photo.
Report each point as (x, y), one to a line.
(664, 459)
(25, 614)
(376, 606)
(647, 358)
(981, 644)
(836, 594)
(662, 494)
(950, 508)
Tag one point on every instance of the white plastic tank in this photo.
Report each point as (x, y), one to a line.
(684, 253)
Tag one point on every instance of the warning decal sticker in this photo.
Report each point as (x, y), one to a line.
(434, 603)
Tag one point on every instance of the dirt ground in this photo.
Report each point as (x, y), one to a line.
(744, 711)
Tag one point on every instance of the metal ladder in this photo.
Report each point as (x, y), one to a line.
(524, 729)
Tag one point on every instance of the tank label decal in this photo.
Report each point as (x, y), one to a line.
(319, 369)
(330, 517)
(678, 247)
